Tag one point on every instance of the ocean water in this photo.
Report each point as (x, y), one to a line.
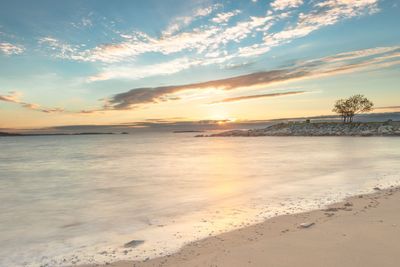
(78, 199)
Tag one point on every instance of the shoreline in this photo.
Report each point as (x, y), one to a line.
(362, 230)
(388, 128)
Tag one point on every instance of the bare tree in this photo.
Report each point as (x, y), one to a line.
(348, 108)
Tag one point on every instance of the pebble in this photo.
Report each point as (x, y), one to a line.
(306, 224)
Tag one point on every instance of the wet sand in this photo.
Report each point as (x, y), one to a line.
(361, 231)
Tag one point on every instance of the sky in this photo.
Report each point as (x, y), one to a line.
(98, 62)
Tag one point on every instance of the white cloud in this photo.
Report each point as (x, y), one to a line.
(285, 4)
(208, 44)
(180, 22)
(11, 49)
(62, 50)
(199, 40)
(225, 17)
(326, 13)
(85, 22)
(212, 39)
(134, 73)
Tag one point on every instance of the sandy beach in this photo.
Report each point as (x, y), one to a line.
(361, 231)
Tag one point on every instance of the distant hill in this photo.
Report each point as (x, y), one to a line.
(49, 134)
(8, 134)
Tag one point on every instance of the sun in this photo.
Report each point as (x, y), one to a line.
(226, 120)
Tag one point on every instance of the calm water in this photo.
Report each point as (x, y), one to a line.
(79, 199)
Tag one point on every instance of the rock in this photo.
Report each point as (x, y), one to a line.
(348, 204)
(320, 129)
(133, 243)
(331, 209)
(385, 129)
(306, 224)
(377, 189)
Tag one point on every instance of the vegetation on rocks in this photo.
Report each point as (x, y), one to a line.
(348, 108)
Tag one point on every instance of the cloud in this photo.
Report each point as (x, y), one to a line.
(147, 95)
(133, 72)
(325, 13)
(225, 17)
(217, 42)
(247, 97)
(206, 42)
(63, 50)
(15, 97)
(353, 61)
(85, 22)
(388, 107)
(209, 41)
(240, 65)
(322, 14)
(341, 63)
(201, 40)
(183, 21)
(284, 4)
(11, 49)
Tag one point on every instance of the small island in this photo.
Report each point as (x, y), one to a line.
(346, 108)
(389, 128)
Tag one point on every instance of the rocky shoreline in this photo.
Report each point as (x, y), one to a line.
(388, 128)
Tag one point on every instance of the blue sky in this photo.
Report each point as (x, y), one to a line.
(94, 62)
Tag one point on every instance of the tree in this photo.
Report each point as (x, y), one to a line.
(348, 108)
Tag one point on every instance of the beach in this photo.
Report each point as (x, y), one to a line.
(361, 231)
(131, 198)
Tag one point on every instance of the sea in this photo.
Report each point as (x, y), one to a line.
(97, 199)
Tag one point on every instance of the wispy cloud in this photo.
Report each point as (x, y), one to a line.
(139, 96)
(61, 49)
(15, 97)
(210, 43)
(133, 72)
(249, 97)
(388, 107)
(341, 63)
(11, 49)
(180, 22)
(284, 4)
(85, 22)
(327, 66)
(225, 17)
(324, 13)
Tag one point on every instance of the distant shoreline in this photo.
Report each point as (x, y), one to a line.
(4, 134)
(189, 131)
